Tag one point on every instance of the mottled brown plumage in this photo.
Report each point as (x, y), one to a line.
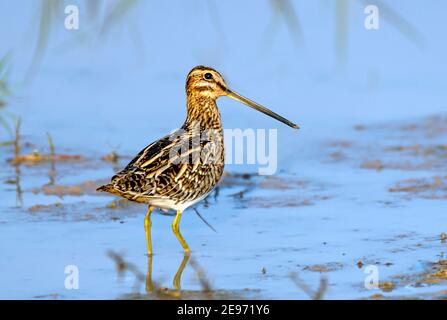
(182, 168)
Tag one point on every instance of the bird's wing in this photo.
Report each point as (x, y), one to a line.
(166, 156)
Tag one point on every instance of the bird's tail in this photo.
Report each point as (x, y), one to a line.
(110, 188)
(105, 188)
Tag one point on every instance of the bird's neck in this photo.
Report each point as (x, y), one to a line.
(202, 110)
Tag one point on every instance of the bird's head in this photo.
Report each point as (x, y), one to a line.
(207, 82)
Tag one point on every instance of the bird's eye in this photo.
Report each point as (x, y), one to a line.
(208, 76)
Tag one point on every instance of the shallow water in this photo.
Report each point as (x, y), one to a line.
(351, 185)
(268, 227)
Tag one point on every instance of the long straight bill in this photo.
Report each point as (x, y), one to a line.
(260, 108)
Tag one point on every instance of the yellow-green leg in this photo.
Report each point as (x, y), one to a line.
(175, 228)
(147, 228)
(149, 283)
(178, 275)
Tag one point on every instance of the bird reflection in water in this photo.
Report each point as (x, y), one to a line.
(150, 287)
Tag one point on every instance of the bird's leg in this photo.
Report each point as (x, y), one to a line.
(149, 284)
(178, 275)
(175, 228)
(147, 228)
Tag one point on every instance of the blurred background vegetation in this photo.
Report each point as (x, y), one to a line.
(102, 20)
(103, 17)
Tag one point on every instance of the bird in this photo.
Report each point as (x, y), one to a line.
(182, 168)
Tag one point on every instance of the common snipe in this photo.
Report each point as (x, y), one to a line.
(183, 167)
